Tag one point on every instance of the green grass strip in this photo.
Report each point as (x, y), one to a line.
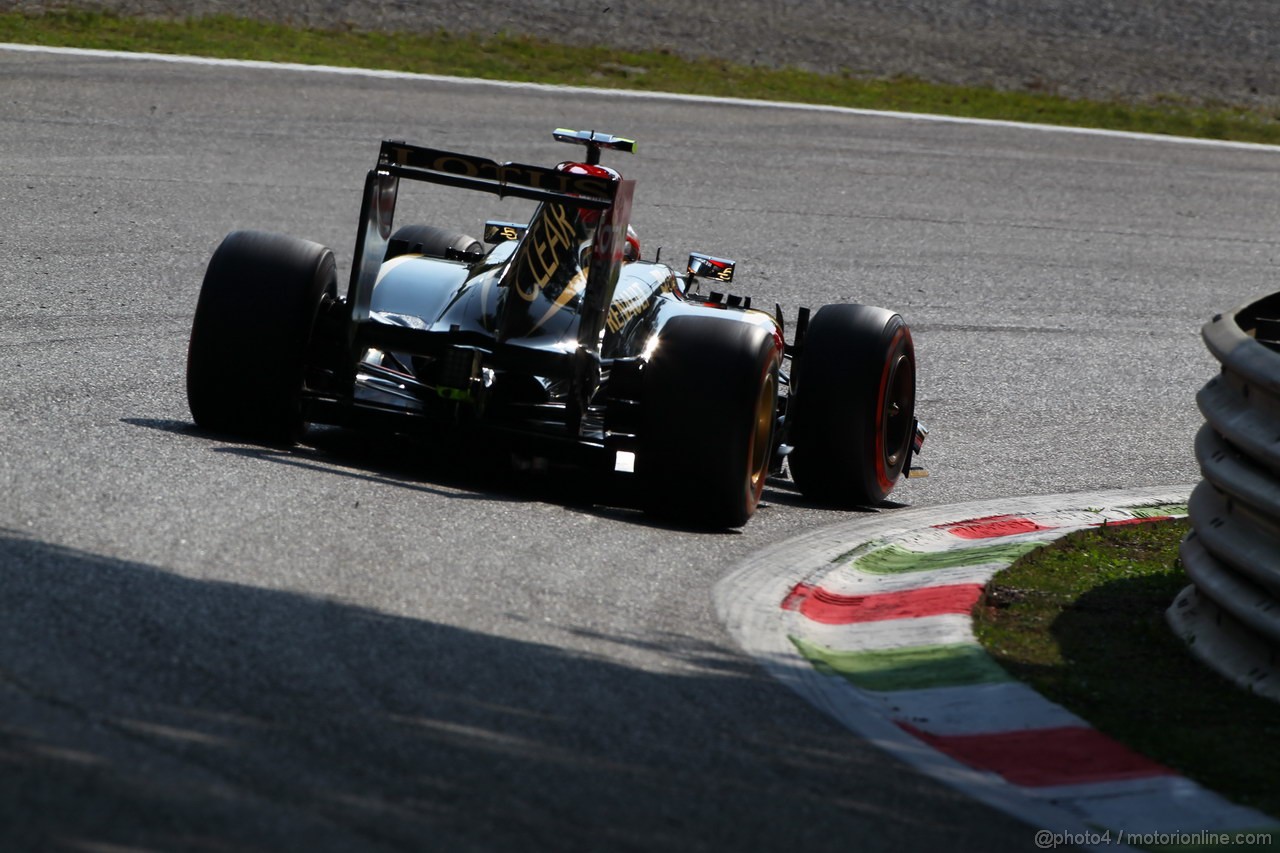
(910, 668)
(520, 58)
(895, 559)
(1082, 621)
(1158, 510)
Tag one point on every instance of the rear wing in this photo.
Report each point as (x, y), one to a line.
(503, 179)
(398, 160)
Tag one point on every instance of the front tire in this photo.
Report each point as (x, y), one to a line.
(710, 400)
(853, 405)
(246, 360)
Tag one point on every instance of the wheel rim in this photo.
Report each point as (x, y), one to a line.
(898, 412)
(761, 433)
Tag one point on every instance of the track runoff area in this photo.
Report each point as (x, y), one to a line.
(868, 620)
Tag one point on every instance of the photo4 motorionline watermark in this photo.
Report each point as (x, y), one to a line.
(1047, 840)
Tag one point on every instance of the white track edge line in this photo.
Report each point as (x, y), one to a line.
(631, 93)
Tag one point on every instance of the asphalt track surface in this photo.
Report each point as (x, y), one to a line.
(366, 645)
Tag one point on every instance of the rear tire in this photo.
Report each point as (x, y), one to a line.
(252, 330)
(431, 241)
(853, 406)
(710, 402)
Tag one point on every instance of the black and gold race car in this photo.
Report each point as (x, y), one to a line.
(555, 338)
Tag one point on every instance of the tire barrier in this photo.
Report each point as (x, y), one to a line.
(1231, 615)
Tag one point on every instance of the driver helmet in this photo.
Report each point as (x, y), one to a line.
(631, 251)
(631, 248)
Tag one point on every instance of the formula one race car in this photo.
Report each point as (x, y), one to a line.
(556, 341)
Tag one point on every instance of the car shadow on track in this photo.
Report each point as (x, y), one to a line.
(473, 473)
(142, 708)
(397, 461)
(781, 490)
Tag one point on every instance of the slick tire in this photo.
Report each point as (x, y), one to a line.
(252, 331)
(853, 405)
(710, 407)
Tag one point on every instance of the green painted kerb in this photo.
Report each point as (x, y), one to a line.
(911, 668)
(894, 559)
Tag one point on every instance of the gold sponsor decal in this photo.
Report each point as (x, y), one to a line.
(626, 305)
(545, 251)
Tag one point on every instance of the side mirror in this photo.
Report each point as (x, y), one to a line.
(503, 232)
(716, 269)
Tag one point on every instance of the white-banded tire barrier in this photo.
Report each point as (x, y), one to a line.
(1231, 614)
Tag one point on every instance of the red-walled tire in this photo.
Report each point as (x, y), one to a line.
(853, 405)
